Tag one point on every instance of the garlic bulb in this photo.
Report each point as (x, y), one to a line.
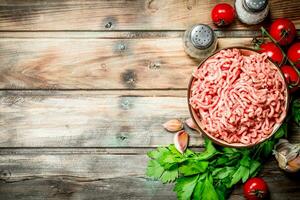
(287, 155)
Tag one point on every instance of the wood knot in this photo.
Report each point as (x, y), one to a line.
(122, 137)
(154, 65)
(150, 6)
(125, 103)
(5, 174)
(190, 4)
(121, 48)
(129, 78)
(108, 25)
(103, 67)
(109, 22)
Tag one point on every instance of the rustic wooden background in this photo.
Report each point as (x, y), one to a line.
(86, 85)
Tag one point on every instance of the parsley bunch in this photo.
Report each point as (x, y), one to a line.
(211, 174)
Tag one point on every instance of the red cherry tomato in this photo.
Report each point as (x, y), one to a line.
(291, 75)
(273, 52)
(294, 54)
(283, 31)
(222, 14)
(255, 189)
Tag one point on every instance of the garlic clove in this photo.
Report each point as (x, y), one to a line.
(293, 165)
(191, 124)
(287, 155)
(181, 140)
(281, 158)
(173, 125)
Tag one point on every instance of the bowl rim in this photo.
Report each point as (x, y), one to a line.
(222, 142)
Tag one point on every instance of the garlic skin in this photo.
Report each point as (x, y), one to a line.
(287, 155)
(181, 140)
(173, 125)
(191, 124)
(293, 165)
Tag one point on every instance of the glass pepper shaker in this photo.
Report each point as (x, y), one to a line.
(252, 11)
(199, 41)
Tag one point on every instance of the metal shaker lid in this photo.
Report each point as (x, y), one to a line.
(202, 36)
(255, 5)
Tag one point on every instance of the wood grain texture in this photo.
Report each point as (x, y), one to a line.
(92, 63)
(85, 87)
(88, 174)
(120, 14)
(90, 119)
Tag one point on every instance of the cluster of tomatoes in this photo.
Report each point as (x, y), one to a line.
(282, 32)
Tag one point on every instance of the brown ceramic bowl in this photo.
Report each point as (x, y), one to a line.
(197, 119)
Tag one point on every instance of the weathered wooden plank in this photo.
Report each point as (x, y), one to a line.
(129, 188)
(99, 176)
(155, 63)
(120, 15)
(120, 188)
(90, 119)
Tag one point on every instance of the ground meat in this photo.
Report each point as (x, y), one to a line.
(239, 98)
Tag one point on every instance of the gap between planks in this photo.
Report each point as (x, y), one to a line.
(126, 34)
(80, 150)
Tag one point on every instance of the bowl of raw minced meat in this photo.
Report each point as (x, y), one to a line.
(238, 97)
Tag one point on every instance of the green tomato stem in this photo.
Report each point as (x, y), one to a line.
(285, 58)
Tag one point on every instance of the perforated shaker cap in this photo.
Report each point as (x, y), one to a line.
(202, 36)
(255, 5)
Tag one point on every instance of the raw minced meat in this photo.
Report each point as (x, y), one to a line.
(238, 98)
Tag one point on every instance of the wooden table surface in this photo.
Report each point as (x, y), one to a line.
(86, 85)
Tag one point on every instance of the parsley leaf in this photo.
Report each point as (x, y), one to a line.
(254, 168)
(209, 192)
(169, 160)
(185, 186)
(154, 169)
(241, 173)
(209, 152)
(191, 167)
(296, 111)
(267, 148)
(199, 187)
(169, 175)
(165, 157)
(246, 161)
(229, 150)
(221, 173)
(155, 154)
(222, 191)
(221, 161)
(281, 132)
(198, 190)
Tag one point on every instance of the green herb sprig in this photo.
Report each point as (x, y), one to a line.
(211, 174)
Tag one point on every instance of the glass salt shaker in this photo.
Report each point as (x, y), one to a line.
(199, 41)
(252, 11)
